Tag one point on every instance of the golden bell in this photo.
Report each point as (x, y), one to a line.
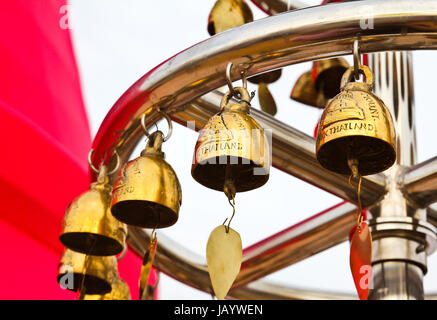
(232, 147)
(120, 291)
(88, 225)
(227, 14)
(356, 125)
(305, 92)
(147, 192)
(89, 274)
(326, 75)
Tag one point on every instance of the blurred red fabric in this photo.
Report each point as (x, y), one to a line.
(44, 146)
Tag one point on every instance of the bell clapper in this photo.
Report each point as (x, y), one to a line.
(146, 267)
(353, 165)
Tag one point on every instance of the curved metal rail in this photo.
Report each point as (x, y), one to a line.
(266, 44)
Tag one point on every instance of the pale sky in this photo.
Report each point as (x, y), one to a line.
(117, 42)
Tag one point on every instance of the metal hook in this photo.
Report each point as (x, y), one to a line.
(90, 163)
(117, 165)
(233, 213)
(169, 122)
(357, 60)
(228, 78)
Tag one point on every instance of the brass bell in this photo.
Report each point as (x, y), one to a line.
(227, 14)
(88, 225)
(120, 291)
(147, 192)
(88, 274)
(305, 92)
(326, 75)
(232, 148)
(266, 100)
(356, 127)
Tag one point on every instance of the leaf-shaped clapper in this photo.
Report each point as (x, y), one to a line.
(224, 253)
(360, 260)
(266, 100)
(147, 267)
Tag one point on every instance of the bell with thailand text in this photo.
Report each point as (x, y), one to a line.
(232, 149)
(356, 129)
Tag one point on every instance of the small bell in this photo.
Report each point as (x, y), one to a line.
(147, 192)
(228, 14)
(232, 148)
(89, 274)
(326, 76)
(305, 92)
(88, 225)
(266, 100)
(356, 127)
(120, 291)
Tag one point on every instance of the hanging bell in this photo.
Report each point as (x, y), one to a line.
(88, 274)
(326, 76)
(147, 192)
(232, 148)
(305, 92)
(228, 14)
(266, 100)
(357, 127)
(120, 291)
(88, 225)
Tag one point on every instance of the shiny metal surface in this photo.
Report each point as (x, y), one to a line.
(397, 281)
(420, 183)
(399, 229)
(268, 44)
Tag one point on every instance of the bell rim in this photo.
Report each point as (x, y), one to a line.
(327, 165)
(103, 246)
(127, 219)
(219, 186)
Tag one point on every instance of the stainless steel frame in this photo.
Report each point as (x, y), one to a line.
(267, 44)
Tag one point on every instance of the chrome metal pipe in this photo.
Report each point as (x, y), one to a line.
(292, 151)
(315, 234)
(420, 183)
(401, 235)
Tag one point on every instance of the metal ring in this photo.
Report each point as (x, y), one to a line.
(228, 78)
(357, 60)
(169, 122)
(90, 163)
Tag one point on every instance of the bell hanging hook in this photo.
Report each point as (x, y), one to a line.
(95, 170)
(357, 60)
(169, 122)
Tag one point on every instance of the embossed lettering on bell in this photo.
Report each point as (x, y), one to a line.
(232, 145)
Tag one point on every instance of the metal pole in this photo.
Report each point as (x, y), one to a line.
(399, 228)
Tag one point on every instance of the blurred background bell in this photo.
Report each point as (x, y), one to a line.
(147, 192)
(305, 92)
(266, 100)
(88, 225)
(85, 273)
(356, 128)
(232, 148)
(227, 14)
(326, 76)
(120, 291)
